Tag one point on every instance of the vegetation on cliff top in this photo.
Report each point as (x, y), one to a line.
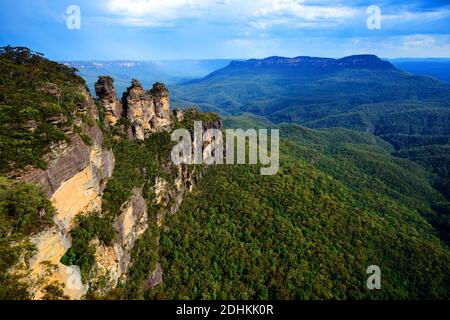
(37, 100)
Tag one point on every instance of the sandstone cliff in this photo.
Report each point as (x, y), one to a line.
(112, 261)
(148, 114)
(74, 180)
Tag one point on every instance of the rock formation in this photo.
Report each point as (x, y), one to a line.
(179, 114)
(104, 88)
(147, 111)
(113, 261)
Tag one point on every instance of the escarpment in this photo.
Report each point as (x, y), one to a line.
(75, 177)
(112, 262)
(88, 181)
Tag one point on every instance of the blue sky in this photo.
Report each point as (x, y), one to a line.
(202, 29)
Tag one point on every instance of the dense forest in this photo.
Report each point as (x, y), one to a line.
(373, 96)
(340, 203)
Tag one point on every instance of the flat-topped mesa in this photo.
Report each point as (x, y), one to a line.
(147, 110)
(363, 61)
(104, 89)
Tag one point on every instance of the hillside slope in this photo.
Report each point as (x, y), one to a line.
(353, 92)
(360, 92)
(339, 204)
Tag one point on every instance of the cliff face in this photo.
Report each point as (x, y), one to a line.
(74, 180)
(147, 114)
(112, 262)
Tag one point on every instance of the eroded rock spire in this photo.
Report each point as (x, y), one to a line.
(147, 111)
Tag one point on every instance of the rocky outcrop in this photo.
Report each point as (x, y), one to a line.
(179, 114)
(147, 111)
(67, 159)
(112, 262)
(104, 88)
(45, 268)
(155, 278)
(184, 183)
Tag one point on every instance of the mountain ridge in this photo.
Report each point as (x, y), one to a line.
(268, 86)
(360, 60)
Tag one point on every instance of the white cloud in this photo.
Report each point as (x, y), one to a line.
(297, 9)
(140, 8)
(260, 14)
(155, 12)
(411, 16)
